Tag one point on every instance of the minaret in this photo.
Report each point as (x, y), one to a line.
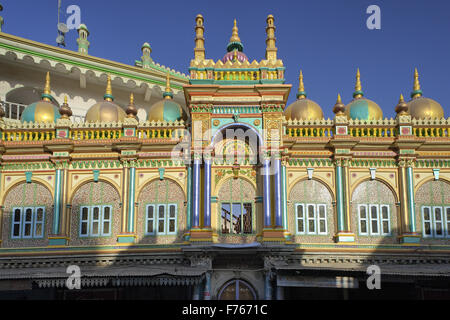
(168, 94)
(83, 43)
(417, 93)
(301, 94)
(1, 18)
(146, 58)
(358, 88)
(199, 51)
(271, 49)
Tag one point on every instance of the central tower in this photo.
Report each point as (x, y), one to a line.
(237, 118)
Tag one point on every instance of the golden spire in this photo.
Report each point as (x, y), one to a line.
(339, 107)
(168, 94)
(131, 99)
(301, 94)
(339, 100)
(65, 99)
(402, 107)
(417, 93)
(47, 90)
(108, 95)
(235, 34)
(358, 88)
(65, 110)
(131, 110)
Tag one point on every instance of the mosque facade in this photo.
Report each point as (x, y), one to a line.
(161, 185)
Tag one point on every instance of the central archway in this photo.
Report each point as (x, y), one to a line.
(237, 290)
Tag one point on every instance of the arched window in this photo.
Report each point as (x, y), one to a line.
(237, 290)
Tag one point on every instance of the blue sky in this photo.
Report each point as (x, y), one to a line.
(327, 39)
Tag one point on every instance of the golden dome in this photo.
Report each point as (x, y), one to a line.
(420, 107)
(303, 108)
(107, 110)
(361, 108)
(166, 109)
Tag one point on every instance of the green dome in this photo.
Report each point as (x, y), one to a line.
(41, 111)
(165, 110)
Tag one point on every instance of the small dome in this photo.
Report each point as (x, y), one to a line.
(421, 108)
(363, 109)
(235, 55)
(105, 111)
(303, 109)
(165, 110)
(42, 111)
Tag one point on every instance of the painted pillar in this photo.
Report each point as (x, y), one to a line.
(340, 205)
(189, 197)
(284, 196)
(267, 204)
(131, 199)
(267, 287)
(196, 194)
(207, 217)
(347, 194)
(207, 292)
(410, 197)
(125, 190)
(280, 293)
(277, 187)
(196, 294)
(57, 207)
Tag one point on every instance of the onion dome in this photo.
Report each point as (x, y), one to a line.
(235, 48)
(421, 107)
(107, 110)
(339, 107)
(166, 109)
(303, 108)
(65, 110)
(402, 108)
(131, 110)
(361, 108)
(44, 110)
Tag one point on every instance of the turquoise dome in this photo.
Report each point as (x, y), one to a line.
(165, 110)
(41, 111)
(364, 109)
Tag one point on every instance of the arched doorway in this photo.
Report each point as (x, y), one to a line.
(237, 290)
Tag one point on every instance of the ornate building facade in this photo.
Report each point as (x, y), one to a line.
(207, 186)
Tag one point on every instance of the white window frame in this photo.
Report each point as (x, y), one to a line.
(103, 220)
(19, 223)
(372, 219)
(320, 219)
(366, 220)
(36, 222)
(88, 231)
(147, 219)
(25, 223)
(22, 223)
(92, 221)
(441, 221)
(447, 222)
(169, 218)
(383, 219)
(302, 218)
(308, 219)
(430, 221)
(158, 219)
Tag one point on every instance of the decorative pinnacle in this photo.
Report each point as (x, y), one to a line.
(301, 94)
(108, 95)
(358, 88)
(47, 95)
(402, 107)
(235, 34)
(417, 93)
(235, 41)
(168, 94)
(339, 107)
(65, 110)
(131, 110)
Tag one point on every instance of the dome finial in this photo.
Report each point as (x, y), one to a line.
(47, 95)
(131, 110)
(402, 107)
(168, 94)
(108, 95)
(417, 93)
(65, 110)
(339, 107)
(301, 94)
(235, 41)
(358, 88)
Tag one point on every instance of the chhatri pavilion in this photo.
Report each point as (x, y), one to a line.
(129, 173)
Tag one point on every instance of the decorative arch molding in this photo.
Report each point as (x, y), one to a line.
(153, 179)
(238, 125)
(221, 183)
(33, 180)
(426, 180)
(89, 180)
(315, 178)
(388, 184)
